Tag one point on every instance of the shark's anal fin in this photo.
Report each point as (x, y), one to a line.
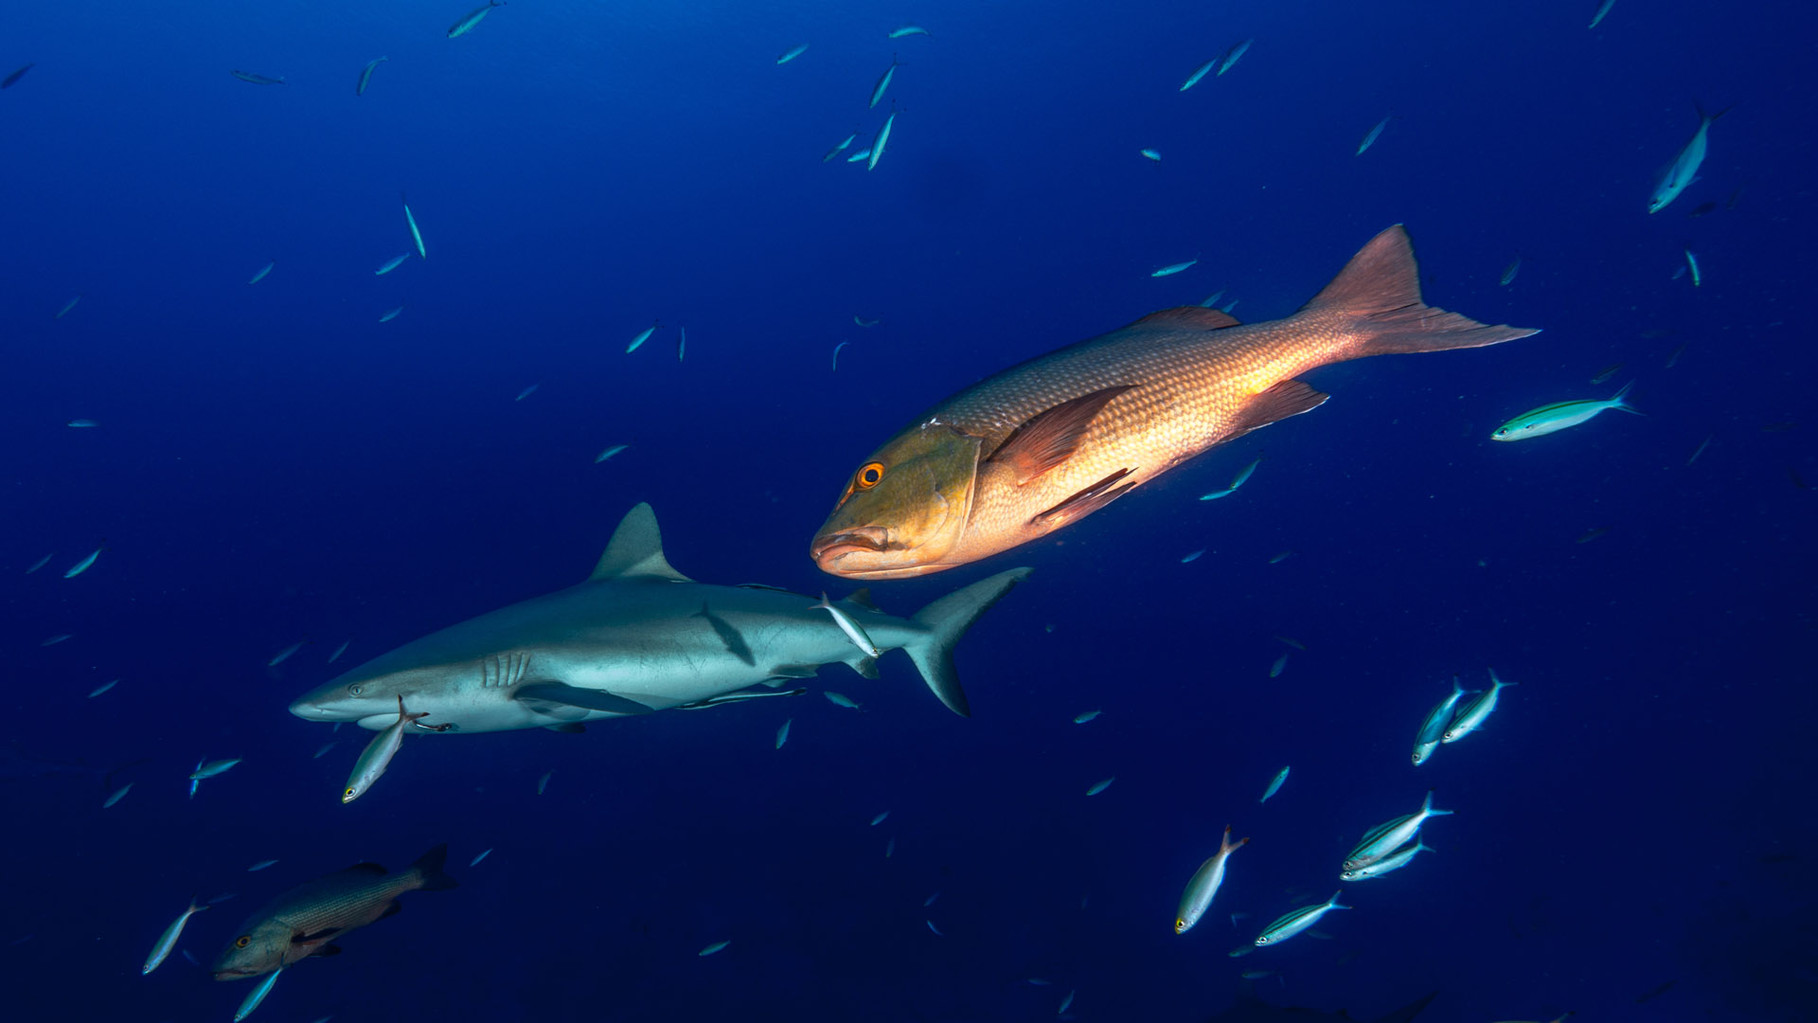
(548, 697)
(636, 551)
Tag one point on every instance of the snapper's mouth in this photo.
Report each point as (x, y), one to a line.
(828, 550)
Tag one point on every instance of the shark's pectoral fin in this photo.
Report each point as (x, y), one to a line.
(560, 700)
(795, 671)
(568, 728)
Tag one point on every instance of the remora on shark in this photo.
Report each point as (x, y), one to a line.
(637, 637)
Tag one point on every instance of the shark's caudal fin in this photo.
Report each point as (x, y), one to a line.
(429, 867)
(1378, 291)
(636, 551)
(946, 620)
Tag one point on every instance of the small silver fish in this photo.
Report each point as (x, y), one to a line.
(67, 306)
(792, 53)
(82, 424)
(1509, 272)
(936, 930)
(1684, 168)
(837, 150)
(366, 75)
(1386, 865)
(476, 860)
(212, 768)
(1233, 55)
(1603, 11)
(370, 766)
(261, 865)
(840, 700)
(1281, 663)
(266, 269)
(880, 818)
(848, 625)
(410, 219)
(391, 264)
(909, 30)
(1386, 838)
(1691, 262)
(331, 744)
(82, 566)
(1085, 716)
(711, 949)
(1151, 154)
(877, 148)
(543, 782)
(836, 355)
(61, 637)
(1192, 556)
(1198, 73)
(256, 79)
(883, 82)
(168, 940)
(1559, 416)
(861, 156)
(1472, 715)
(1173, 268)
(1433, 726)
(527, 392)
(390, 314)
(284, 655)
(258, 995)
(332, 658)
(609, 452)
(1290, 924)
(1066, 1003)
(1197, 898)
(119, 794)
(1375, 133)
(473, 17)
(1101, 786)
(642, 337)
(782, 734)
(1274, 785)
(102, 688)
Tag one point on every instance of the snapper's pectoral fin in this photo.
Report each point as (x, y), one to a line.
(325, 951)
(315, 936)
(1085, 502)
(1287, 398)
(551, 697)
(394, 909)
(1049, 438)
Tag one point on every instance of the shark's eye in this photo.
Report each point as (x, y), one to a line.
(242, 941)
(356, 689)
(869, 476)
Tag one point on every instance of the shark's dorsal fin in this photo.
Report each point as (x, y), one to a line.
(636, 551)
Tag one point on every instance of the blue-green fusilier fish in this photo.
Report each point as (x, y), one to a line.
(212, 768)
(168, 940)
(1197, 898)
(393, 263)
(366, 75)
(837, 150)
(782, 733)
(1239, 480)
(266, 269)
(466, 24)
(792, 54)
(1198, 73)
(1684, 168)
(1173, 268)
(1151, 154)
(1603, 11)
(1375, 133)
(77, 424)
(1559, 416)
(849, 625)
(1275, 785)
(304, 920)
(82, 566)
(1233, 55)
(861, 156)
(1472, 715)
(910, 30)
(883, 82)
(377, 756)
(1433, 726)
(1691, 263)
(258, 995)
(67, 306)
(390, 314)
(415, 234)
(1384, 839)
(638, 341)
(13, 79)
(1293, 923)
(1386, 865)
(248, 76)
(877, 148)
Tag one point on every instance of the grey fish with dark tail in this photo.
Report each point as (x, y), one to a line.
(304, 921)
(1043, 444)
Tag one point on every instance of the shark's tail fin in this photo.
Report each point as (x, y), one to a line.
(429, 869)
(946, 620)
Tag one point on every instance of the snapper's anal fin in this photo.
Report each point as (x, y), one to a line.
(1049, 438)
(1377, 294)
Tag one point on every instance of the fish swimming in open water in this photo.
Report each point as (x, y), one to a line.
(304, 921)
(1044, 444)
(632, 638)
(1684, 168)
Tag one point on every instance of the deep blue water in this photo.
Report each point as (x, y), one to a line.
(273, 465)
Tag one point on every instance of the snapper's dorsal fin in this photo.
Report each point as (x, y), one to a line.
(636, 551)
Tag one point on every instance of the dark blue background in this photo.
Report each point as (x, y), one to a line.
(274, 465)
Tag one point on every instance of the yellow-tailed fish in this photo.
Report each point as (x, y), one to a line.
(1198, 73)
(258, 995)
(266, 269)
(1472, 715)
(883, 82)
(393, 263)
(415, 235)
(301, 922)
(82, 566)
(848, 625)
(792, 53)
(1384, 839)
(1046, 443)
(1433, 726)
(1375, 133)
(466, 24)
(168, 940)
(877, 148)
(1290, 924)
(1684, 168)
(1197, 898)
(376, 757)
(1559, 416)
(1386, 865)
(366, 75)
(1275, 785)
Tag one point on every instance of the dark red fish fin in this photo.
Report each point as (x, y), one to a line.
(306, 939)
(325, 951)
(1049, 438)
(1379, 292)
(429, 868)
(1086, 501)
(1288, 398)
(394, 909)
(1191, 317)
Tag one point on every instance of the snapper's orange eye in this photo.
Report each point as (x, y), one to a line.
(242, 941)
(870, 476)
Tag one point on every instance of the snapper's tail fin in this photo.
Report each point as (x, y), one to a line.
(946, 620)
(1377, 299)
